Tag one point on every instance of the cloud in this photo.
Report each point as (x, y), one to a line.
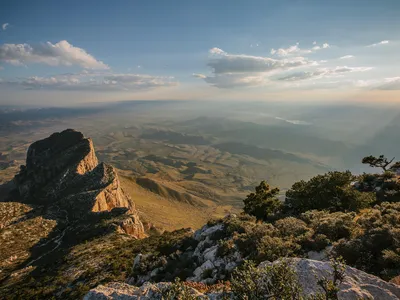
(140, 81)
(91, 82)
(380, 43)
(319, 73)
(61, 53)
(346, 57)
(323, 46)
(385, 84)
(294, 122)
(296, 50)
(240, 70)
(288, 51)
(216, 51)
(197, 75)
(235, 80)
(390, 84)
(241, 63)
(5, 25)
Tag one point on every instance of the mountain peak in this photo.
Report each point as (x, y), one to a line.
(63, 170)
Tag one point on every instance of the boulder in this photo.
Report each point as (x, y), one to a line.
(210, 253)
(113, 290)
(199, 272)
(356, 285)
(148, 291)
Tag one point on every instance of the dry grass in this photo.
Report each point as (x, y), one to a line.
(167, 213)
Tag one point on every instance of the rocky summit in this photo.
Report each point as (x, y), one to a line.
(63, 170)
(61, 200)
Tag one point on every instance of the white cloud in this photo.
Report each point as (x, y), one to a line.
(236, 80)
(346, 57)
(216, 51)
(61, 53)
(380, 43)
(241, 63)
(197, 75)
(320, 73)
(240, 70)
(296, 50)
(5, 25)
(288, 51)
(94, 82)
(391, 84)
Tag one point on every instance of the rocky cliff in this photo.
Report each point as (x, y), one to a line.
(63, 169)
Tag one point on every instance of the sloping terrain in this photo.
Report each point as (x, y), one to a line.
(166, 212)
(59, 199)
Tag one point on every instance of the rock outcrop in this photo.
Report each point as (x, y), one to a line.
(147, 291)
(63, 169)
(207, 265)
(356, 285)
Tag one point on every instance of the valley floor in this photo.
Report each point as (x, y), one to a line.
(171, 214)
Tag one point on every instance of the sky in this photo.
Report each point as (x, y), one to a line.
(63, 53)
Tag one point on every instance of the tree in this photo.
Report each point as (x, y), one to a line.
(263, 203)
(330, 191)
(395, 166)
(378, 162)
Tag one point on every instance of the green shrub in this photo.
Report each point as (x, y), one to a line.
(272, 248)
(178, 291)
(330, 191)
(248, 241)
(331, 286)
(225, 248)
(336, 225)
(275, 281)
(263, 203)
(291, 226)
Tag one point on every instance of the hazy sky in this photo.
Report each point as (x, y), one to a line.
(67, 52)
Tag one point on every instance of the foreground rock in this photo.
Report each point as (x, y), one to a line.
(63, 170)
(201, 259)
(116, 290)
(356, 285)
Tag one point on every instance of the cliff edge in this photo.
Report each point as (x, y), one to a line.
(63, 170)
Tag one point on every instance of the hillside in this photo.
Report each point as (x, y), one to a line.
(71, 226)
(59, 199)
(167, 212)
(292, 250)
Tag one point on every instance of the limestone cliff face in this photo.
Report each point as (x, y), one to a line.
(64, 169)
(112, 195)
(52, 163)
